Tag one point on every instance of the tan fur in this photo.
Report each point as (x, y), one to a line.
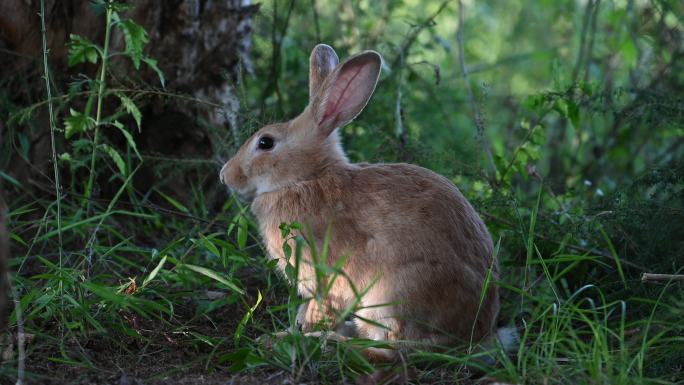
(407, 233)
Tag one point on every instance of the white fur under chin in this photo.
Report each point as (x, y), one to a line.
(264, 185)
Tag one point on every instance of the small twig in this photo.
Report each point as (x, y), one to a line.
(651, 278)
(477, 115)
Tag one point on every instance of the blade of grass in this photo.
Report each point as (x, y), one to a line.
(154, 272)
(213, 275)
(55, 168)
(614, 253)
(243, 322)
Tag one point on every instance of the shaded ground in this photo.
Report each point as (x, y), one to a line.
(171, 357)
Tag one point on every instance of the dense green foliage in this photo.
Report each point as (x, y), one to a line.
(566, 130)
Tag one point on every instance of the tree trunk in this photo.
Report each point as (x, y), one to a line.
(200, 45)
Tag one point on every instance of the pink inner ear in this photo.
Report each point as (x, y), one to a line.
(343, 93)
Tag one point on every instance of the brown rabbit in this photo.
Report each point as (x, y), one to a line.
(407, 232)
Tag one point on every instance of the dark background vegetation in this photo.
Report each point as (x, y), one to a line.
(562, 121)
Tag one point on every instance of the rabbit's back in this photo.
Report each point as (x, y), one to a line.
(404, 202)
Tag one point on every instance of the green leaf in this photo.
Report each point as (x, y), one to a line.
(153, 64)
(206, 339)
(174, 202)
(129, 137)
(573, 113)
(82, 50)
(561, 106)
(241, 326)
(615, 255)
(106, 293)
(116, 157)
(154, 272)
(77, 86)
(65, 157)
(629, 53)
(242, 232)
(100, 7)
(130, 107)
(213, 275)
(84, 313)
(8, 178)
(17, 238)
(210, 246)
(287, 250)
(538, 135)
(76, 123)
(135, 38)
(110, 295)
(242, 359)
(284, 230)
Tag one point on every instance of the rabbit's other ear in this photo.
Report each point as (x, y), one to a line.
(346, 91)
(322, 62)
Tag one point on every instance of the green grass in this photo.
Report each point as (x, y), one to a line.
(204, 286)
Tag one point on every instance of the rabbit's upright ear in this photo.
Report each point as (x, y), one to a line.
(346, 91)
(322, 62)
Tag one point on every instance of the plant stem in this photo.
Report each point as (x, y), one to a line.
(53, 129)
(100, 99)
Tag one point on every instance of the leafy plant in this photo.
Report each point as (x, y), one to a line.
(82, 50)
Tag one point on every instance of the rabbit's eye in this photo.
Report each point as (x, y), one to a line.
(265, 143)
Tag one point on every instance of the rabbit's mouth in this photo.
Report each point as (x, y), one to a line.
(246, 195)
